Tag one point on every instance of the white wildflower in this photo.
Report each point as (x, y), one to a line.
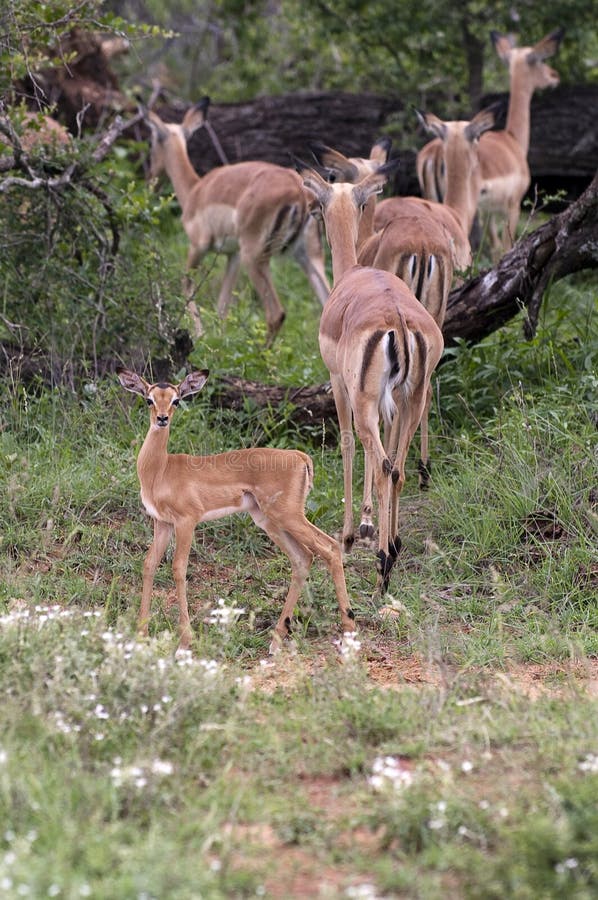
(225, 615)
(389, 772)
(589, 763)
(349, 646)
(467, 766)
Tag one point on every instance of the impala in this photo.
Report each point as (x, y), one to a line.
(412, 244)
(380, 346)
(249, 211)
(459, 142)
(503, 154)
(179, 490)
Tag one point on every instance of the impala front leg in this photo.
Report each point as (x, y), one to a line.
(162, 535)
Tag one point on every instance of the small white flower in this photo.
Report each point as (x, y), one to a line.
(388, 771)
(589, 763)
(466, 766)
(162, 767)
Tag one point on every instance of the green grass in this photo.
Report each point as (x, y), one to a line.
(125, 773)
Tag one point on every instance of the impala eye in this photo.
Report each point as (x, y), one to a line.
(175, 401)
(149, 401)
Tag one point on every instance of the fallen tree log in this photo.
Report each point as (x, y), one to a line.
(565, 244)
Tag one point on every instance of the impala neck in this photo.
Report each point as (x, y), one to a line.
(366, 224)
(518, 114)
(341, 231)
(180, 171)
(153, 455)
(461, 194)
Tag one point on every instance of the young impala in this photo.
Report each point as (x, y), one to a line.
(250, 211)
(178, 491)
(380, 346)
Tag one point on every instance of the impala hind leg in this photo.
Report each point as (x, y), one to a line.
(345, 423)
(162, 535)
(233, 266)
(300, 559)
(261, 278)
(194, 255)
(424, 466)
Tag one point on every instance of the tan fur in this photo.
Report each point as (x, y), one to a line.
(371, 319)
(179, 491)
(248, 210)
(505, 176)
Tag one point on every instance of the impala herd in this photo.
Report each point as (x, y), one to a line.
(393, 264)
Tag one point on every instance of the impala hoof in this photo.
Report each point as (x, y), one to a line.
(366, 530)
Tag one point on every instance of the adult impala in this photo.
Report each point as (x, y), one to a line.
(248, 210)
(414, 244)
(380, 346)
(178, 491)
(459, 142)
(502, 154)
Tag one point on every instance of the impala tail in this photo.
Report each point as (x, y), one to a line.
(286, 228)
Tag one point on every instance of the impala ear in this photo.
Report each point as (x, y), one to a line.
(195, 117)
(432, 124)
(380, 151)
(481, 122)
(548, 46)
(132, 382)
(193, 383)
(156, 125)
(314, 182)
(503, 44)
(339, 166)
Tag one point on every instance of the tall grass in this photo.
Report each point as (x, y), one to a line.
(126, 773)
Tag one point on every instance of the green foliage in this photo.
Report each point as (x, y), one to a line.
(236, 51)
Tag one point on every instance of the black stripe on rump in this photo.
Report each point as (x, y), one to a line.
(287, 219)
(368, 353)
(420, 279)
(422, 353)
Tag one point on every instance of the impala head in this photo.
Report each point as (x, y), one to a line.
(163, 134)
(353, 168)
(342, 199)
(162, 397)
(527, 63)
(460, 152)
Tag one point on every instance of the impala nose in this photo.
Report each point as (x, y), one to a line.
(162, 421)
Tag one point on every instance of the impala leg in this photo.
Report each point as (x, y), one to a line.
(510, 231)
(368, 429)
(308, 252)
(194, 254)
(183, 536)
(366, 525)
(231, 275)
(302, 541)
(300, 558)
(162, 535)
(326, 548)
(345, 422)
(424, 467)
(261, 278)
